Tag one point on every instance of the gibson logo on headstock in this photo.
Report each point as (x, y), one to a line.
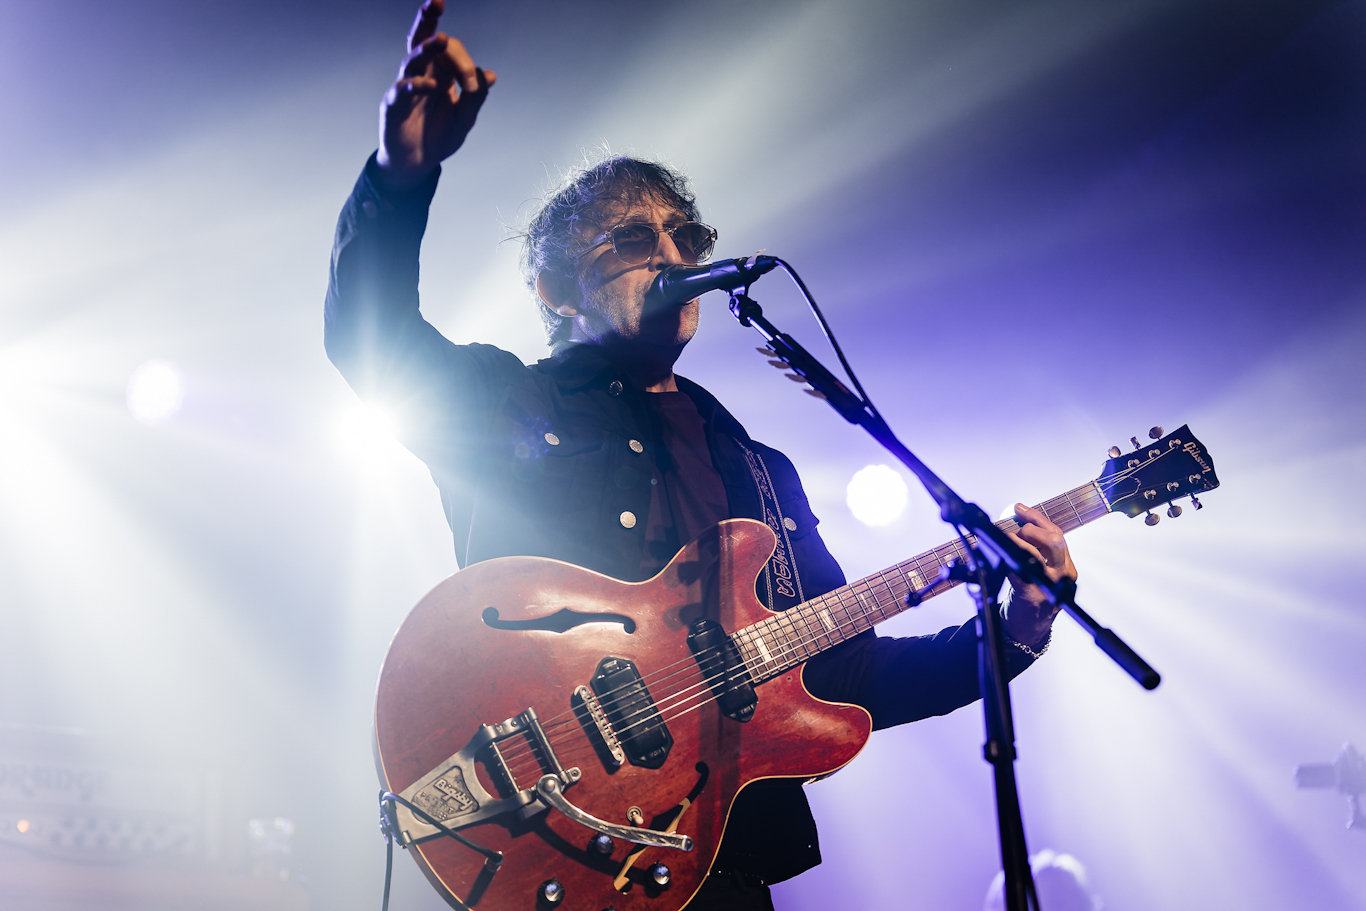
(447, 797)
(1196, 454)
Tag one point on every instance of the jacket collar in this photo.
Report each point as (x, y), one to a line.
(574, 365)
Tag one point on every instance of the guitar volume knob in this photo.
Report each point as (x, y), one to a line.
(660, 874)
(551, 892)
(601, 844)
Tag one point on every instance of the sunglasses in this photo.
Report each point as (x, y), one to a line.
(636, 243)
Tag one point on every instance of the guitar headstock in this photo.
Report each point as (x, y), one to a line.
(1174, 466)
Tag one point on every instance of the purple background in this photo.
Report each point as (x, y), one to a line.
(1038, 228)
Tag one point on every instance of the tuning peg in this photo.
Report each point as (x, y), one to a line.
(1134, 440)
(1152, 519)
(781, 365)
(1173, 511)
(794, 377)
(768, 351)
(1195, 501)
(661, 874)
(816, 392)
(1155, 433)
(1114, 452)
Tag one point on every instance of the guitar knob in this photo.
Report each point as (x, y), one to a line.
(551, 892)
(1153, 519)
(1195, 501)
(1173, 511)
(1114, 452)
(601, 844)
(1155, 433)
(660, 874)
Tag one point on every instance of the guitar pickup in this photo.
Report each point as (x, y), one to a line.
(723, 669)
(632, 712)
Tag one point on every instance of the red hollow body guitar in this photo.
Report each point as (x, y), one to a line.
(561, 739)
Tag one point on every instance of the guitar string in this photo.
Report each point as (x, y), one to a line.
(662, 705)
(794, 644)
(1047, 507)
(667, 705)
(796, 641)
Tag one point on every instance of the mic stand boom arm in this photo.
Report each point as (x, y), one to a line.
(993, 556)
(996, 545)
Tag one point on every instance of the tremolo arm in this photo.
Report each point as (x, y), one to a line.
(452, 795)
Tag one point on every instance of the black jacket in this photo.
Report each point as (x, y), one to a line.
(554, 460)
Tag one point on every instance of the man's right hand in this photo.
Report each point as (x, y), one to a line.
(427, 113)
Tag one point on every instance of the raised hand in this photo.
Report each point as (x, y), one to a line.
(426, 114)
(1029, 615)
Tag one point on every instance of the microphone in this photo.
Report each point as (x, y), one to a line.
(679, 284)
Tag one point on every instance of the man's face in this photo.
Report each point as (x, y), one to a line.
(614, 310)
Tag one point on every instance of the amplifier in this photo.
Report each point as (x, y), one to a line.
(89, 824)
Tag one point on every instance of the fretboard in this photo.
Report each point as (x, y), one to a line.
(793, 636)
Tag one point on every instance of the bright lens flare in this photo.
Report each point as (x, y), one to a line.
(368, 434)
(155, 392)
(876, 495)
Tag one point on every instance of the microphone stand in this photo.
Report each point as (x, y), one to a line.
(992, 557)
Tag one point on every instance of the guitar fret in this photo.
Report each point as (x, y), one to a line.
(1067, 497)
(790, 637)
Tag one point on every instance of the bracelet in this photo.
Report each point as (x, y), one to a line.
(1026, 649)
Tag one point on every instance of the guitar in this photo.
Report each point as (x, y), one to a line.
(561, 739)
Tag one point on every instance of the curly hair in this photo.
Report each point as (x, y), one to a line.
(554, 236)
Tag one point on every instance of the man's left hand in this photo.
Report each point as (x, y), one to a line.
(1028, 615)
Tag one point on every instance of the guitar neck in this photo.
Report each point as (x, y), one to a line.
(791, 637)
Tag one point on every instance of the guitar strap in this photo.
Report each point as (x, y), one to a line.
(782, 582)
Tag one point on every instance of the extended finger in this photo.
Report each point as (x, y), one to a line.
(423, 56)
(424, 26)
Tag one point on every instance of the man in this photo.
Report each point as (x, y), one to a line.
(600, 455)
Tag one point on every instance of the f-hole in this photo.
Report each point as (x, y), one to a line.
(562, 621)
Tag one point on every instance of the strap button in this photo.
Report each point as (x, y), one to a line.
(628, 519)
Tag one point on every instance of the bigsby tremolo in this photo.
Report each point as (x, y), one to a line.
(452, 795)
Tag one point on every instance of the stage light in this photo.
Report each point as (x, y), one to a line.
(876, 495)
(155, 392)
(368, 434)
